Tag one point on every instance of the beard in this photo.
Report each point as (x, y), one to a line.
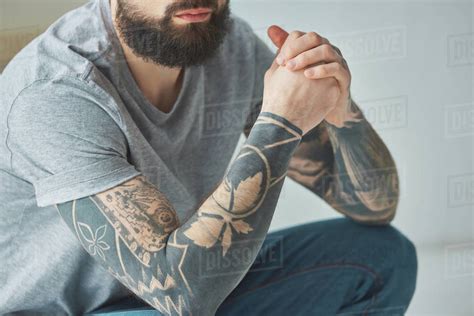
(168, 44)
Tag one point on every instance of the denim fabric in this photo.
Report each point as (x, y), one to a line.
(332, 267)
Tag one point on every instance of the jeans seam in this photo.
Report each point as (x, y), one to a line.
(374, 274)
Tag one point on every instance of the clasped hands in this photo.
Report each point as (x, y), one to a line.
(318, 58)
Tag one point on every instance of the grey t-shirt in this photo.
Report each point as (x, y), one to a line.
(73, 123)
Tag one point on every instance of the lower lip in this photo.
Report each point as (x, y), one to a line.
(195, 17)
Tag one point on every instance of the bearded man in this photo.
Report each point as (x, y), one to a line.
(119, 191)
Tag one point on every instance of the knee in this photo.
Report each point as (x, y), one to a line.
(404, 261)
(384, 250)
(382, 245)
(396, 248)
(394, 258)
(407, 253)
(402, 251)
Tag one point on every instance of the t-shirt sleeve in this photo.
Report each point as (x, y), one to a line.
(263, 59)
(65, 139)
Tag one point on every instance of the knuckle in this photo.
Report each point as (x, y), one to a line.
(290, 50)
(313, 37)
(295, 34)
(327, 51)
(302, 59)
(337, 49)
(323, 71)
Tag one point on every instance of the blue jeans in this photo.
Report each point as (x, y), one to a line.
(332, 267)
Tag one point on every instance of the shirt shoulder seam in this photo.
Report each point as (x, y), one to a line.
(8, 118)
(81, 79)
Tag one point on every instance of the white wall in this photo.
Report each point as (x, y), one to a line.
(412, 66)
(398, 56)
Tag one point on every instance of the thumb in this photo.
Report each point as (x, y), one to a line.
(277, 35)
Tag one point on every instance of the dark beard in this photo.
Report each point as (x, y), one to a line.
(165, 43)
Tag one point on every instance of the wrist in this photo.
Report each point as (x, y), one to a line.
(282, 120)
(285, 113)
(274, 137)
(345, 117)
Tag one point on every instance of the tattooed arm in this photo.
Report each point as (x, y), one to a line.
(350, 168)
(345, 163)
(134, 232)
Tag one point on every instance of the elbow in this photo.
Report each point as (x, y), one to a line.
(380, 213)
(377, 218)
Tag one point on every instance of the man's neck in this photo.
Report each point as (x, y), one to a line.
(160, 85)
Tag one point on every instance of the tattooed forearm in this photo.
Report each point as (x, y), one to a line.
(134, 231)
(350, 168)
